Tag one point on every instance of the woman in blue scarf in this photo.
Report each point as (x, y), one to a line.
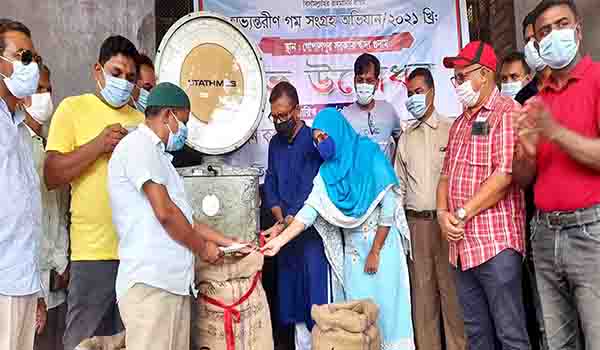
(354, 191)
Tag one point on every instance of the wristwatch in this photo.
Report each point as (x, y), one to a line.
(461, 214)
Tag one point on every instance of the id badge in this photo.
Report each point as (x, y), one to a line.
(480, 128)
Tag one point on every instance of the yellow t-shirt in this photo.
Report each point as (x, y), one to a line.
(77, 121)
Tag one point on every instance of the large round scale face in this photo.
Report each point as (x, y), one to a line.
(222, 73)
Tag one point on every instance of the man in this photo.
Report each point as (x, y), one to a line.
(480, 211)
(375, 119)
(21, 213)
(419, 159)
(539, 68)
(293, 164)
(85, 129)
(560, 141)
(146, 80)
(514, 74)
(152, 214)
(54, 245)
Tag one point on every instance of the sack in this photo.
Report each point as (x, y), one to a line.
(346, 326)
(231, 311)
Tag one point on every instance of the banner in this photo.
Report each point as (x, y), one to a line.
(313, 44)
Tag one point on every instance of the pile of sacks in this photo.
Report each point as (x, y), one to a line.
(346, 326)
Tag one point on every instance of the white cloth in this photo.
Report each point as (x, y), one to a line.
(17, 322)
(21, 210)
(54, 243)
(147, 253)
(302, 337)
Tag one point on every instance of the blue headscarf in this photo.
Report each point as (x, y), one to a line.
(359, 171)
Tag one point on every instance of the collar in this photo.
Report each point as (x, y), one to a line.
(144, 129)
(488, 105)
(577, 73)
(433, 122)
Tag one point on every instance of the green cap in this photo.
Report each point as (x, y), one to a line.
(168, 95)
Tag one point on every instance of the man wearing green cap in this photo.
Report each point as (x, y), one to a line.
(158, 237)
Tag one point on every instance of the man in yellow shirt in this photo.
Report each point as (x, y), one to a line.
(84, 131)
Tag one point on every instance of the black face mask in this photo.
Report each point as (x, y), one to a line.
(286, 129)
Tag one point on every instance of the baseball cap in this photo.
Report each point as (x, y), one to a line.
(168, 95)
(476, 52)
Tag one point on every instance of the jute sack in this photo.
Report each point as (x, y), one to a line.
(346, 326)
(231, 311)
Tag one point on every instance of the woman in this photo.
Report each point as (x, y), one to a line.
(353, 191)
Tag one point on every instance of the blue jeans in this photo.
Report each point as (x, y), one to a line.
(492, 301)
(567, 262)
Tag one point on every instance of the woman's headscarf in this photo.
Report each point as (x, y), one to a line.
(359, 171)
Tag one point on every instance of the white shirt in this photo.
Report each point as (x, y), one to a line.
(146, 251)
(54, 243)
(20, 208)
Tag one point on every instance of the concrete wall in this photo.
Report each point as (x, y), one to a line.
(589, 10)
(68, 34)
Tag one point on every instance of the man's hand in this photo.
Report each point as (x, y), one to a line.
(452, 228)
(526, 133)
(372, 263)
(273, 232)
(108, 139)
(41, 316)
(212, 254)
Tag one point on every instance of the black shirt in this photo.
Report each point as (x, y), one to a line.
(528, 91)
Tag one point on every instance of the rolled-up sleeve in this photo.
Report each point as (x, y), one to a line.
(307, 215)
(503, 144)
(143, 165)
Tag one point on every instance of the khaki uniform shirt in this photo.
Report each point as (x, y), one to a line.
(419, 160)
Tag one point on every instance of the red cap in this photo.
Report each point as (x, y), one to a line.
(476, 52)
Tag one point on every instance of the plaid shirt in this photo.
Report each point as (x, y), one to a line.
(470, 161)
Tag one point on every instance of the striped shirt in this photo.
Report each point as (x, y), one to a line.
(470, 160)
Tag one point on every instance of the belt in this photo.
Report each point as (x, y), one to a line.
(578, 217)
(424, 214)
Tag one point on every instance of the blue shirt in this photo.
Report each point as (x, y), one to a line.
(291, 171)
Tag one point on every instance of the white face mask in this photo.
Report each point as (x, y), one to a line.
(532, 57)
(24, 79)
(417, 104)
(559, 48)
(41, 107)
(365, 93)
(511, 89)
(467, 95)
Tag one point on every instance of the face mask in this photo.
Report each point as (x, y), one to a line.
(559, 48)
(24, 79)
(286, 128)
(177, 140)
(532, 57)
(142, 101)
(326, 149)
(467, 95)
(116, 91)
(511, 89)
(365, 93)
(41, 107)
(417, 105)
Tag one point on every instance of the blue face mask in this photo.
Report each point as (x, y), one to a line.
(177, 140)
(326, 149)
(559, 48)
(142, 101)
(116, 91)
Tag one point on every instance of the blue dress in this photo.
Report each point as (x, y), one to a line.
(389, 288)
(301, 265)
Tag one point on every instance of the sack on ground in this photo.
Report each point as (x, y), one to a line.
(346, 326)
(250, 321)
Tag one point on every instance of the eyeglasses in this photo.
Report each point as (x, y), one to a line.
(26, 57)
(281, 118)
(460, 78)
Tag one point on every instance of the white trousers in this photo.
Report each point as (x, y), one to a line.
(17, 322)
(303, 338)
